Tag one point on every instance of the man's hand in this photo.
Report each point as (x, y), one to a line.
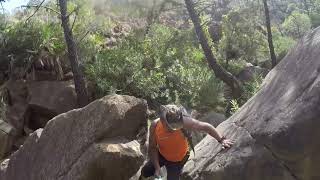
(226, 143)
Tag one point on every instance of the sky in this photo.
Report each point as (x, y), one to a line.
(9, 5)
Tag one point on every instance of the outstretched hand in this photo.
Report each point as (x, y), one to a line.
(226, 143)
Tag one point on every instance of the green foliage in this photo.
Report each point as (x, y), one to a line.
(234, 106)
(241, 39)
(250, 89)
(297, 24)
(22, 40)
(211, 94)
(282, 44)
(165, 67)
(315, 19)
(113, 70)
(52, 38)
(22, 37)
(233, 66)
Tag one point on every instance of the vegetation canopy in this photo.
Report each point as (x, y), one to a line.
(150, 49)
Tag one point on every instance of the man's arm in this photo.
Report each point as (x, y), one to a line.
(195, 125)
(153, 150)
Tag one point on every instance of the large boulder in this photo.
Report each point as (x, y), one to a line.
(30, 105)
(48, 99)
(95, 142)
(6, 138)
(276, 131)
(16, 111)
(111, 159)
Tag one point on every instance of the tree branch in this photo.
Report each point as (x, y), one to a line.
(73, 11)
(46, 7)
(218, 70)
(38, 7)
(74, 20)
(84, 36)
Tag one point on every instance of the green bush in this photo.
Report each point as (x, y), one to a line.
(315, 19)
(165, 67)
(249, 89)
(234, 106)
(297, 24)
(282, 44)
(23, 40)
(241, 39)
(211, 94)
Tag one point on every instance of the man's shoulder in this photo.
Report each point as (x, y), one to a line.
(190, 123)
(154, 123)
(188, 119)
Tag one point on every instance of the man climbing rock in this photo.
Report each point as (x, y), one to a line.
(169, 141)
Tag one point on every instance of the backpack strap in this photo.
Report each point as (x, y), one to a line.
(186, 132)
(188, 135)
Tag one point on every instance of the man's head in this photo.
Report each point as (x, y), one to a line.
(172, 116)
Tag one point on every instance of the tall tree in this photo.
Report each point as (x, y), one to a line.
(218, 70)
(79, 82)
(218, 9)
(270, 41)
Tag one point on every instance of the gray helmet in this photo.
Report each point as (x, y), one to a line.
(172, 115)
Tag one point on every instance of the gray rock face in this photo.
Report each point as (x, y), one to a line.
(33, 104)
(114, 159)
(95, 142)
(30, 105)
(6, 138)
(276, 131)
(55, 96)
(48, 99)
(17, 104)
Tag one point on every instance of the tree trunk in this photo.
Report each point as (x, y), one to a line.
(270, 42)
(218, 9)
(80, 86)
(218, 70)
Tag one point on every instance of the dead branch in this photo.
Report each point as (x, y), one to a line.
(37, 9)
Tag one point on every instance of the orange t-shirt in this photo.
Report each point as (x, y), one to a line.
(172, 145)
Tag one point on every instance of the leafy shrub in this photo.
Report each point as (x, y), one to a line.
(282, 44)
(234, 106)
(211, 94)
(165, 67)
(297, 24)
(23, 40)
(249, 89)
(241, 39)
